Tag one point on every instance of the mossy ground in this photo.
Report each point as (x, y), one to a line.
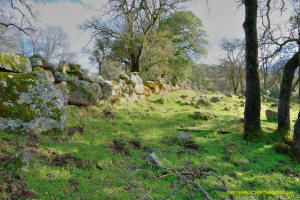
(111, 141)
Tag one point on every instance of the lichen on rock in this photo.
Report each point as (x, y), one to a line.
(29, 104)
(14, 63)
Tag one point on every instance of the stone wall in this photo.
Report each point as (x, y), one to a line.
(34, 93)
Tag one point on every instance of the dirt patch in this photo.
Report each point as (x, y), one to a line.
(67, 160)
(120, 147)
(191, 145)
(32, 140)
(226, 158)
(75, 129)
(290, 172)
(74, 185)
(136, 144)
(12, 184)
(147, 149)
(108, 114)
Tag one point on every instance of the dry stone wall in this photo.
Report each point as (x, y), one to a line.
(34, 93)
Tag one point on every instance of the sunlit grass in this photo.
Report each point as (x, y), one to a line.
(250, 166)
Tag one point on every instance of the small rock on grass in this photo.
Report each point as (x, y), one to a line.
(154, 160)
(183, 136)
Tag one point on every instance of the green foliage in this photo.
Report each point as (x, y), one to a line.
(167, 50)
(186, 33)
(171, 49)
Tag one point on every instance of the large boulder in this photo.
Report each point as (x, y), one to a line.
(147, 91)
(135, 78)
(83, 93)
(111, 88)
(271, 115)
(61, 76)
(36, 61)
(139, 89)
(43, 74)
(14, 63)
(29, 104)
(86, 75)
(50, 66)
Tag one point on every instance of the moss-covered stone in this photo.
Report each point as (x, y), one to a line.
(202, 116)
(11, 86)
(84, 93)
(25, 103)
(153, 86)
(14, 63)
(43, 74)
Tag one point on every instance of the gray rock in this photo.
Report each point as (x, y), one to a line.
(43, 74)
(271, 115)
(86, 75)
(32, 106)
(52, 67)
(26, 159)
(139, 89)
(215, 99)
(14, 63)
(83, 93)
(64, 90)
(60, 77)
(36, 61)
(133, 97)
(154, 160)
(228, 94)
(110, 88)
(183, 136)
(135, 78)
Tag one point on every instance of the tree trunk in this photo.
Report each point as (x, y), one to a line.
(285, 93)
(252, 109)
(134, 63)
(296, 140)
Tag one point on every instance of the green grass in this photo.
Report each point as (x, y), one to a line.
(241, 164)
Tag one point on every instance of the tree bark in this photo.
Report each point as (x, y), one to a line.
(253, 102)
(285, 93)
(134, 64)
(296, 140)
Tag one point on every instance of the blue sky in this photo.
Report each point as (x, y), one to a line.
(221, 19)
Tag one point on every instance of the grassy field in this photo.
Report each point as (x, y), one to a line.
(103, 154)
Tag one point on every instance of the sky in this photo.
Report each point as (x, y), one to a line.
(221, 19)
